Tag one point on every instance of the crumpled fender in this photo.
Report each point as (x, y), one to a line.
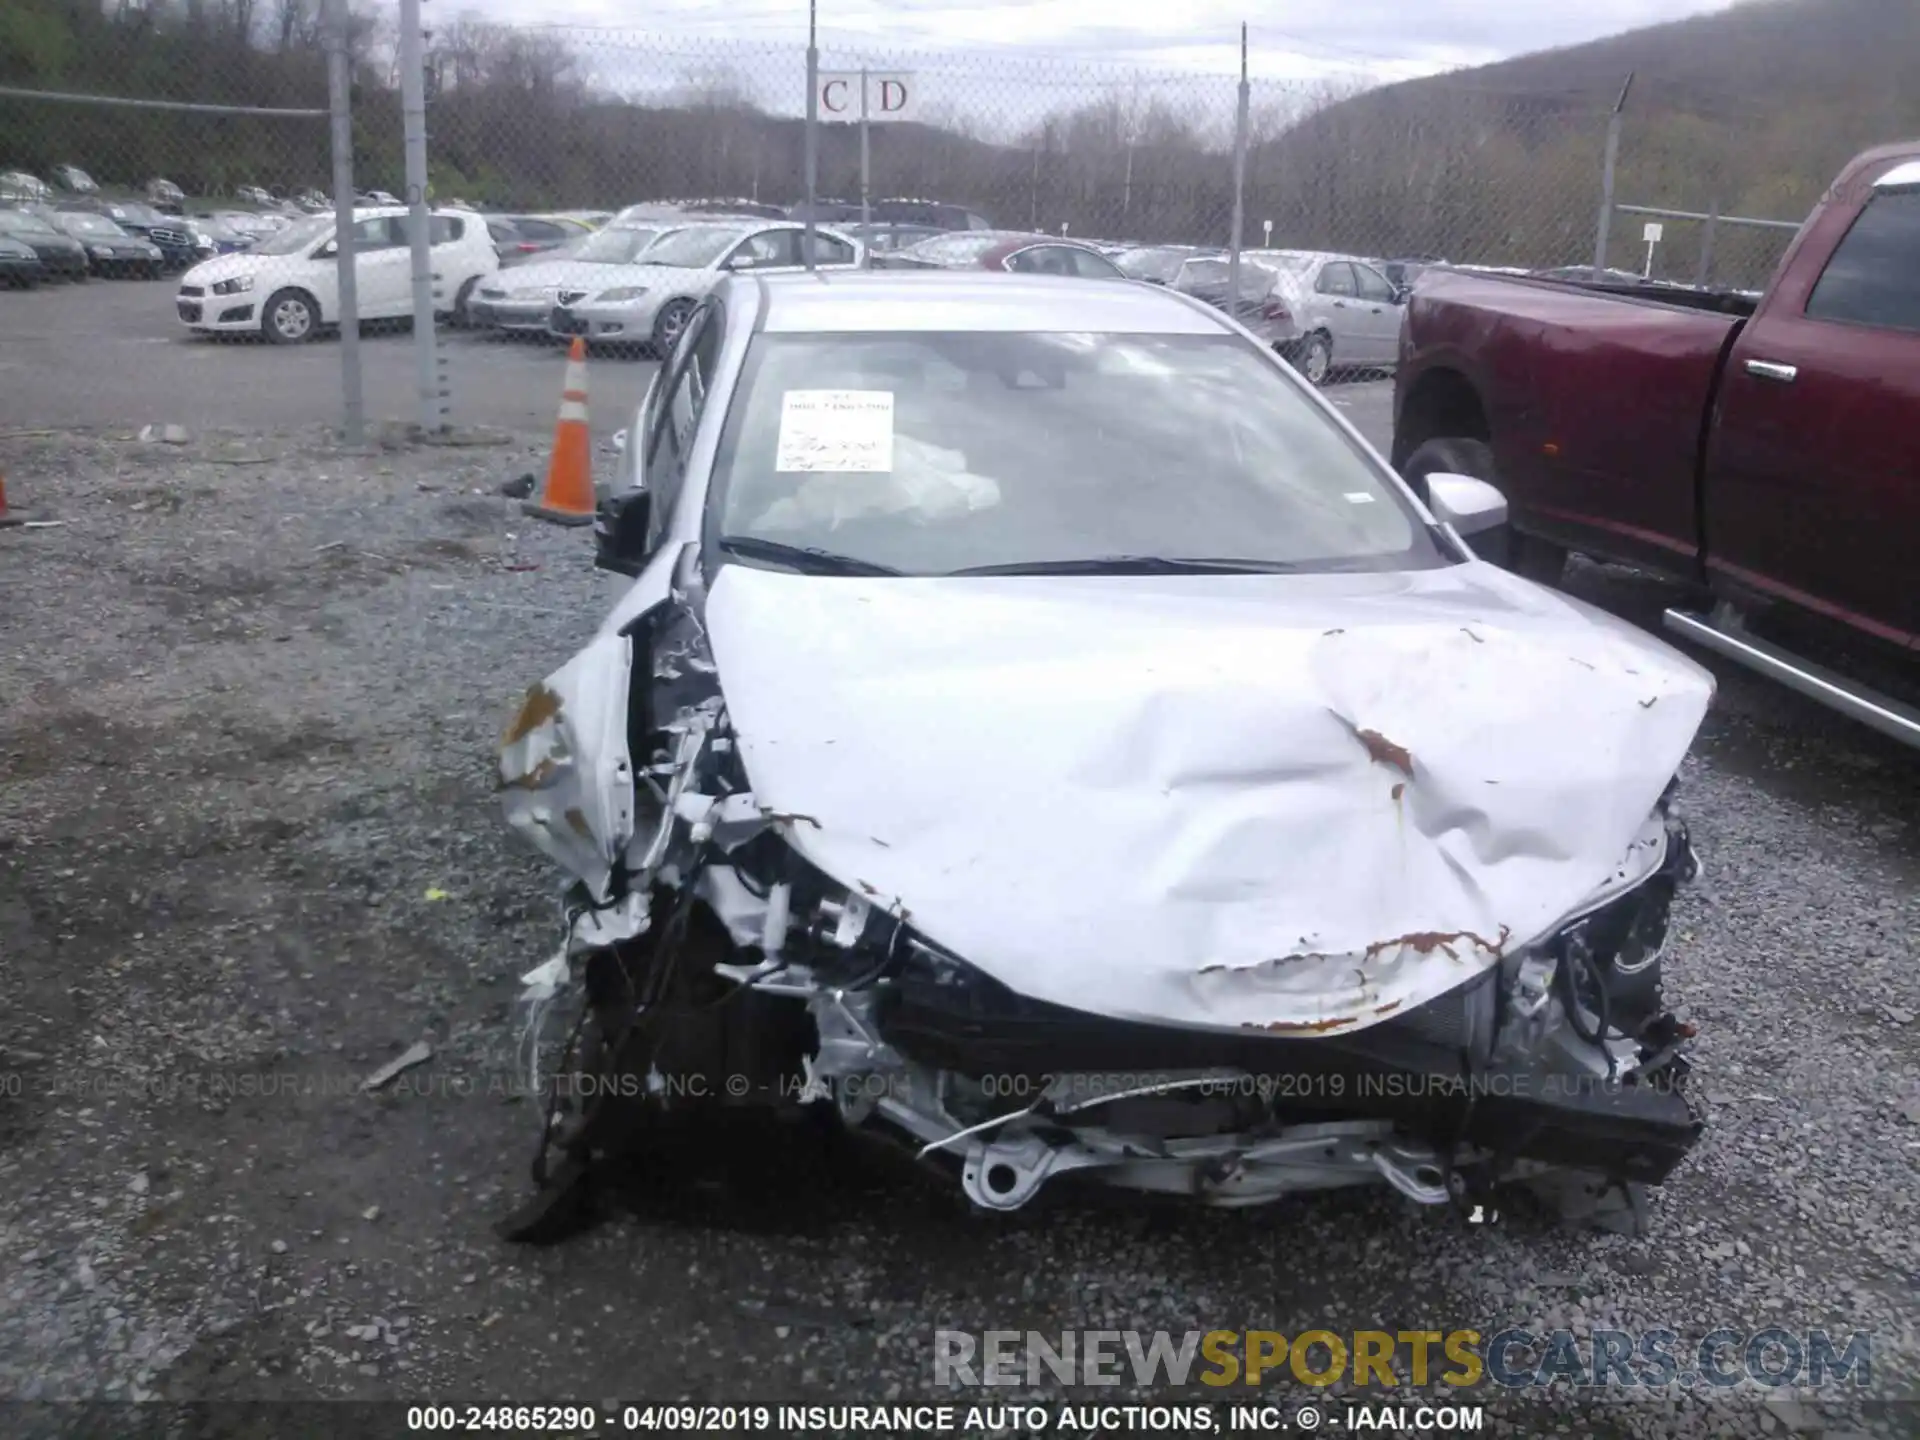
(565, 776)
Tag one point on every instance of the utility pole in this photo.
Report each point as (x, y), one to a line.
(413, 107)
(1606, 181)
(339, 102)
(813, 123)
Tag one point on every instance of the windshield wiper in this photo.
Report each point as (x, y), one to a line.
(807, 559)
(1134, 565)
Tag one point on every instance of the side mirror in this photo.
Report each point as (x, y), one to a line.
(620, 533)
(327, 251)
(1471, 506)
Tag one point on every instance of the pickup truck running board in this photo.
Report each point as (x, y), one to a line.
(1724, 635)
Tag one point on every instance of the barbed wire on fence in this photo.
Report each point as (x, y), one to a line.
(1464, 168)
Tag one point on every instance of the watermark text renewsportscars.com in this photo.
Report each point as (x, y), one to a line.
(1461, 1359)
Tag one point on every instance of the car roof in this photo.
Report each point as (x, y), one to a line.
(909, 300)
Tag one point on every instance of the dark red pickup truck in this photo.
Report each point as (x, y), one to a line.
(1768, 452)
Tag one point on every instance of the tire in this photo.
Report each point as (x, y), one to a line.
(668, 324)
(1314, 358)
(289, 317)
(462, 318)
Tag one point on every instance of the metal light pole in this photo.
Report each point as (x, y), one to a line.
(1606, 181)
(413, 107)
(813, 122)
(866, 161)
(1239, 180)
(339, 90)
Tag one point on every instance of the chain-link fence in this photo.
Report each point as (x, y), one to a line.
(525, 139)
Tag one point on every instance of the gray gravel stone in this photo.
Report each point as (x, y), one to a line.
(263, 699)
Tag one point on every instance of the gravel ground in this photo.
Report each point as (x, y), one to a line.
(248, 854)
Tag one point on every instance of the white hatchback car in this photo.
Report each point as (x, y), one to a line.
(286, 288)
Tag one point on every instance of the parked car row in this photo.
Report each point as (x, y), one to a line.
(624, 285)
(634, 283)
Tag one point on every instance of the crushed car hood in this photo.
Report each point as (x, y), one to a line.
(1296, 803)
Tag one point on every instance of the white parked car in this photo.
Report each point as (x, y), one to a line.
(1043, 723)
(650, 306)
(522, 298)
(1345, 312)
(73, 178)
(19, 187)
(286, 288)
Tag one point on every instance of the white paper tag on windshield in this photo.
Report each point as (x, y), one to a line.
(836, 430)
(1359, 497)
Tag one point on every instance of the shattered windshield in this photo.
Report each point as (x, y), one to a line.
(931, 453)
(1161, 265)
(1211, 278)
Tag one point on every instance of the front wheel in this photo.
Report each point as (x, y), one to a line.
(667, 326)
(1314, 358)
(289, 318)
(462, 317)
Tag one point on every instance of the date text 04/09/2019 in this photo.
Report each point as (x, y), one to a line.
(964, 1420)
(983, 1420)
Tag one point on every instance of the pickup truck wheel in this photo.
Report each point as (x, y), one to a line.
(1449, 455)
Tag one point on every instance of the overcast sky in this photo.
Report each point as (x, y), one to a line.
(1384, 39)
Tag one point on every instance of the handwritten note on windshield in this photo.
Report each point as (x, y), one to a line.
(836, 430)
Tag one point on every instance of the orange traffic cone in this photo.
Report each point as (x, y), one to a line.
(567, 497)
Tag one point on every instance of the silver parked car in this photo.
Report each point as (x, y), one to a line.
(649, 304)
(1262, 306)
(521, 299)
(1347, 313)
(1160, 264)
(1038, 724)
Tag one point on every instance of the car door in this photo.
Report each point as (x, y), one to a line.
(1379, 314)
(1813, 474)
(1337, 297)
(382, 268)
(680, 404)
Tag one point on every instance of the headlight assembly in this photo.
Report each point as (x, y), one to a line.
(234, 286)
(624, 292)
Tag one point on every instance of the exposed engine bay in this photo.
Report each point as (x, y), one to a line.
(756, 920)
